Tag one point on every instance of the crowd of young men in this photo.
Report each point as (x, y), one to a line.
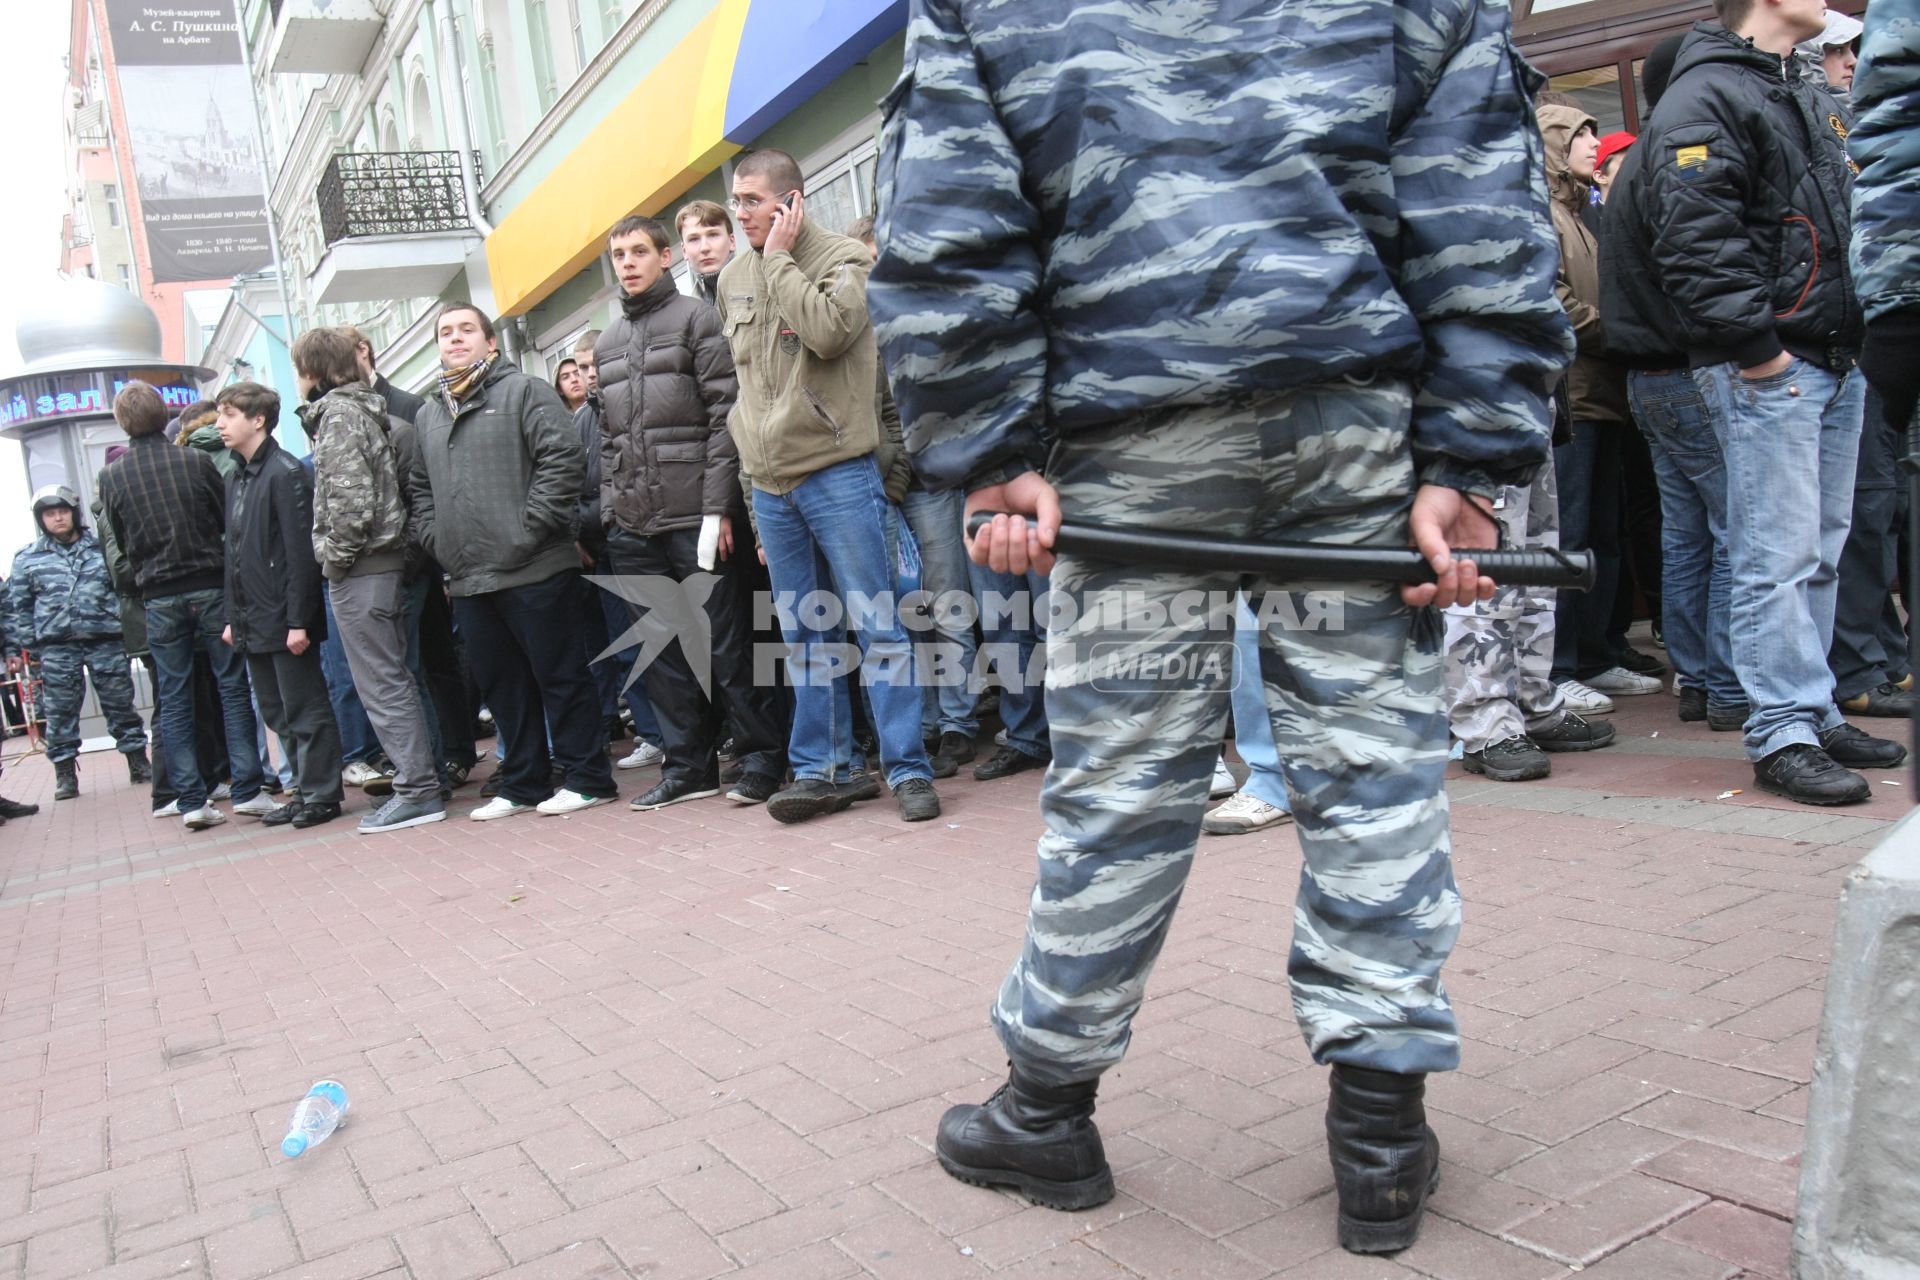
(727, 444)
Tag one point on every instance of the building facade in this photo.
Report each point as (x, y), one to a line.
(421, 151)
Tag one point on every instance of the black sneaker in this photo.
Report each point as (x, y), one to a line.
(491, 787)
(1693, 704)
(1889, 699)
(1809, 775)
(729, 749)
(754, 788)
(673, 791)
(1006, 762)
(282, 816)
(860, 787)
(312, 815)
(457, 774)
(1729, 719)
(953, 750)
(917, 799)
(1639, 663)
(733, 773)
(1856, 749)
(805, 798)
(14, 809)
(1509, 760)
(1573, 733)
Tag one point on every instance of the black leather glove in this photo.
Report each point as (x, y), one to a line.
(1891, 360)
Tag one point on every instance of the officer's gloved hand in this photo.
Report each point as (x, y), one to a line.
(1889, 362)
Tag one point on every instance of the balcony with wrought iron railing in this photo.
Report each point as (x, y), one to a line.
(395, 224)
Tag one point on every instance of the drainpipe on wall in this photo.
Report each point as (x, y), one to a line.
(454, 79)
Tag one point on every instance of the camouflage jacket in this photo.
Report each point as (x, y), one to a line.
(1151, 205)
(359, 497)
(1886, 145)
(58, 593)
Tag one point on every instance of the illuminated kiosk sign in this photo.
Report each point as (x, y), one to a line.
(43, 399)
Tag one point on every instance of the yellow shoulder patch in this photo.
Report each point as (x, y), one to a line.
(1690, 157)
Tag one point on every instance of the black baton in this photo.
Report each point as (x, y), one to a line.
(1309, 561)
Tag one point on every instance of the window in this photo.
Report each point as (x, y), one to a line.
(112, 193)
(540, 37)
(579, 36)
(1598, 93)
(126, 278)
(841, 192)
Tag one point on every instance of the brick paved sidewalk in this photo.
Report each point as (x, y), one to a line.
(695, 1044)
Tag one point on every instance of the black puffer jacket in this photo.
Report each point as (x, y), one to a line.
(1748, 191)
(666, 387)
(1643, 331)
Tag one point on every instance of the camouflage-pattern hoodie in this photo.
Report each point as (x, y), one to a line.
(359, 502)
(58, 593)
(1134, 206)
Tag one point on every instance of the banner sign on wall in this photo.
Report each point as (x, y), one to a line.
(184, 90)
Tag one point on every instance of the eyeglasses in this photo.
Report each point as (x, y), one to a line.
(747, 205)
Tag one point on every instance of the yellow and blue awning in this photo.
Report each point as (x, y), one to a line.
(746, 65)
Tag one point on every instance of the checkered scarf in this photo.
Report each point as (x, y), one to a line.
(457, 384)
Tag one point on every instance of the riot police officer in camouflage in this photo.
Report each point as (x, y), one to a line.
(61, 608)
(1281, 272)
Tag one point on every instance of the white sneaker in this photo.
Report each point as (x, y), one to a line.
(1584, 700)
(499, 807)
(1223, 783)
(203, 817)
(563, 802)
(171, 809)
(219, 793)
(259, 807)
(1622, 681)
(643, 755)
(1243, 813)
(360, 773)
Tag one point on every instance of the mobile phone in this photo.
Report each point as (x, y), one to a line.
(786, 201)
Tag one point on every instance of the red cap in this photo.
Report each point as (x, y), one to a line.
(1610, 146)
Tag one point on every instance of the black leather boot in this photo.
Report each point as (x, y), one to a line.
(1385, 1158)
(139, 771)
(1038, 1139)
(66, 780)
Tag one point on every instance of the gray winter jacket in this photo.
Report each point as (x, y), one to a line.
(494, 486)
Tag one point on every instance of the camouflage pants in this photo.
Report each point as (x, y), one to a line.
(63, 672)
(1500, 651)
(1353, 685)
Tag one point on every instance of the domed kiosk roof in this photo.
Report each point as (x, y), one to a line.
(77, 323)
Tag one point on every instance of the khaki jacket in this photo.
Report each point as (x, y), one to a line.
(1596, 386)
(803, 351)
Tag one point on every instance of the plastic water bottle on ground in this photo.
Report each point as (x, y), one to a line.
(315, 1119)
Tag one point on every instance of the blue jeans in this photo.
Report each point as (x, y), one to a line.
(1013, 625)
(357, 741)
(1691, 470)
(1252, 721)
(936, 520)
(1791, 441)
(176, 626)
(837, 519)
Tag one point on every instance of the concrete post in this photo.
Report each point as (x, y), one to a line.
(1859, 1210)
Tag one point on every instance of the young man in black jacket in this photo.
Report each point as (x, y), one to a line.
(167, 510)
(669, 479)
(1749, 190)
(274, 615)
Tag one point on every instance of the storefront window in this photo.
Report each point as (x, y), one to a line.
(1598, 93)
